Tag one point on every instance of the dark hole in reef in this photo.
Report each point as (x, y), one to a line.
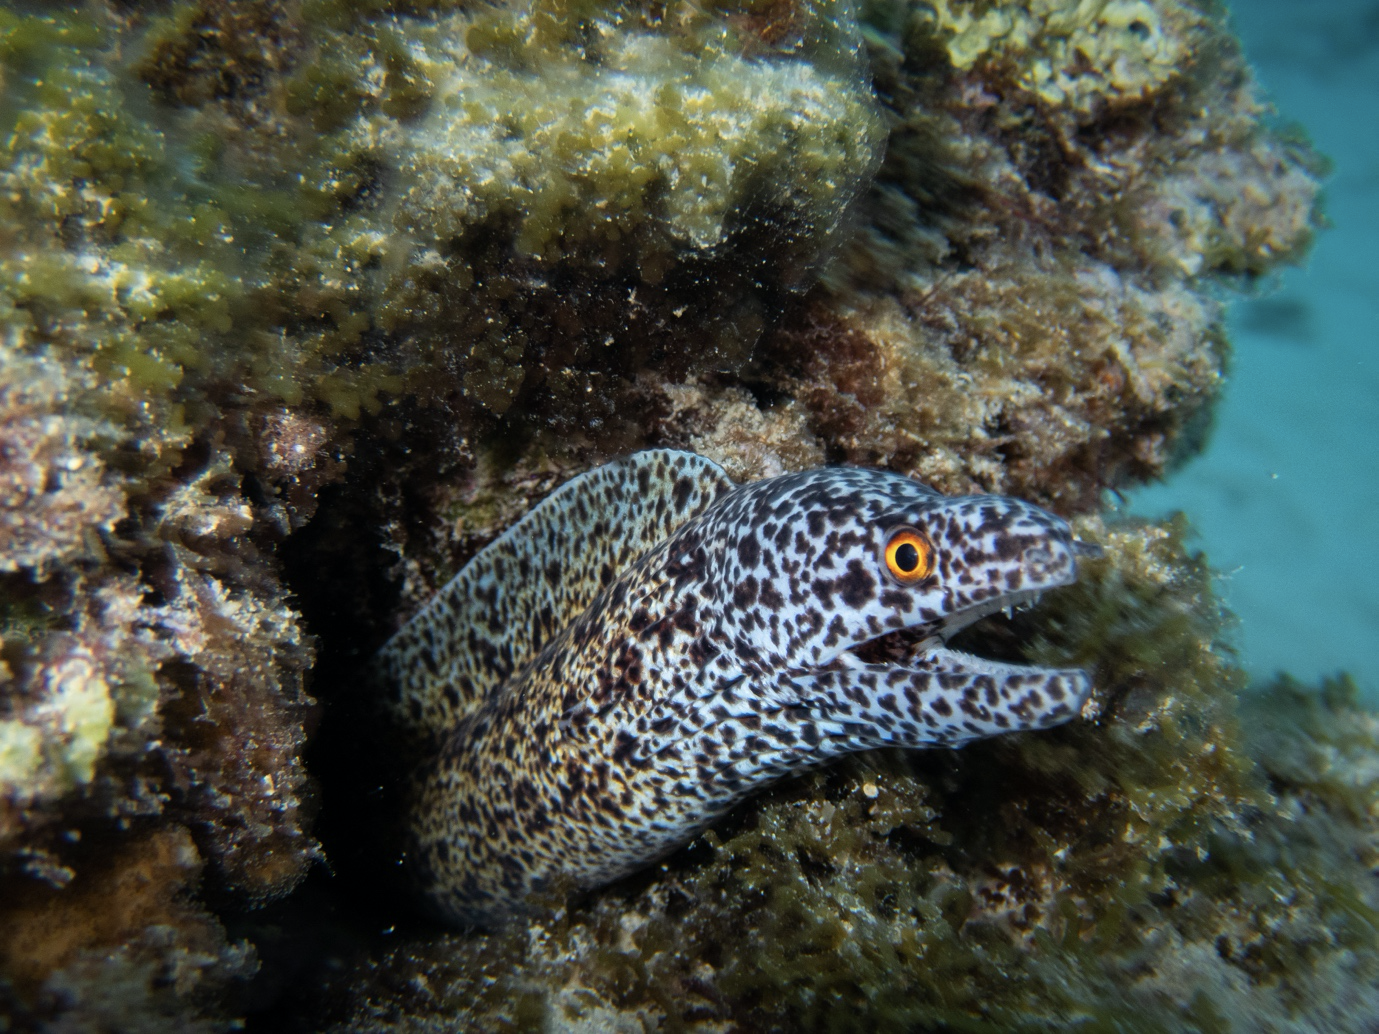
(252, 488)
(366, 181)
(885, 902)
(766, 396)
(300, 941)
(357, 904)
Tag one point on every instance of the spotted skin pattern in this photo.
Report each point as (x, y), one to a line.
(518, 592)
(722, 657)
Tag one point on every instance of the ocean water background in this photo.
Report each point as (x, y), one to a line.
(1286, 496)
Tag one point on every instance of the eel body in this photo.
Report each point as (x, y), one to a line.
(651, 643)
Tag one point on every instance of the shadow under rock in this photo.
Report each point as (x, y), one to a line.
(1285, 319)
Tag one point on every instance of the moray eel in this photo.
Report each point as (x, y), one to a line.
(652, 643)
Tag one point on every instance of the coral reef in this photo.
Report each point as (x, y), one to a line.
(302, 303)
(1021, 310)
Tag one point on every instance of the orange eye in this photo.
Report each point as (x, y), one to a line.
(909, 556)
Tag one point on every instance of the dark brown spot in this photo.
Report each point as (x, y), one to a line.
(748, 551)
(857, 587)
(681, 493)
(623, 748)
(745, 595)
(897, 600)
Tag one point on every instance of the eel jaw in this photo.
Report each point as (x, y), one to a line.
(1031, 696)
(1025, 696)
(905, 646)
(955, 623)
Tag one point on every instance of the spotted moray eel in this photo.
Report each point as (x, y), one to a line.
(652, 643)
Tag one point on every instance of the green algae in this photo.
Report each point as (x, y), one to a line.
(222, 189)
(114, 261)
(687, 129)
(1071, 53)
(206, 219)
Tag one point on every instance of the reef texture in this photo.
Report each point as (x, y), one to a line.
(302, 303)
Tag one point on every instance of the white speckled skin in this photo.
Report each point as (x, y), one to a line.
(669, 685)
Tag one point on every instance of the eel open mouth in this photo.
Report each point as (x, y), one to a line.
(984, 696)
(905, 645)
(926, 646)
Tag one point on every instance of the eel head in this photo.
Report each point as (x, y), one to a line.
(851, 582)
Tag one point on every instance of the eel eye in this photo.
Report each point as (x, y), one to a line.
(909, 556)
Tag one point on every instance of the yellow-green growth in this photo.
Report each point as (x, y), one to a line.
(61, 735)
(676, 126)
(21, 754)
(1073, 53)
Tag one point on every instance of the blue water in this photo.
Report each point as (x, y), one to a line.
(1286, 496)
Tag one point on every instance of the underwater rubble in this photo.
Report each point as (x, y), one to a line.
(302, 303)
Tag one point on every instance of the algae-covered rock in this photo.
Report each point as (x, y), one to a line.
(580, 191)
(1071, 54)
(124, 946)
(55, 495)
(303, 303)
(1022, 309)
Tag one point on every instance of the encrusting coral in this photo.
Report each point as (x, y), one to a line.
(1073, 55)
(303, 303)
